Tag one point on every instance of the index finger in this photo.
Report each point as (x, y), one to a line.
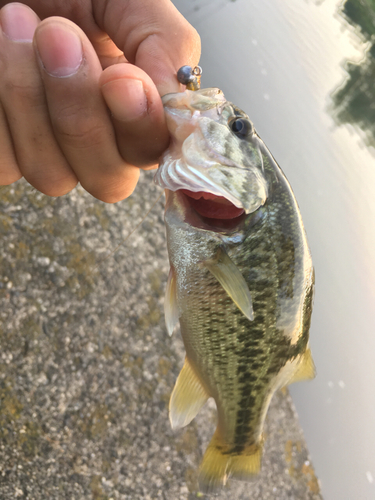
(153, 36)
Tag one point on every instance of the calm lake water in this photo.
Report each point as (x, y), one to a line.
(304, 71)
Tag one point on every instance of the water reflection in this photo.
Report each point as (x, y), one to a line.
(354, 100)
(282, 62)
(205, 7)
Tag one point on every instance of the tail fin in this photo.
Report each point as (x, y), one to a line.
(219, 464)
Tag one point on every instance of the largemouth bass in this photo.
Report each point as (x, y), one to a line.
(241, 279)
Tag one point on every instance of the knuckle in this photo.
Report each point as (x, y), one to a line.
(8, 176)
(113, 189)
(24, 95)
(58, 190)
(21, 85)
(191, 34)
(108, 194)
(51, 184)
(77, 128)
(192, 42)
(3, 66)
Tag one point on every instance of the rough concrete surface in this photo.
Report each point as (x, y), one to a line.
(87, 367)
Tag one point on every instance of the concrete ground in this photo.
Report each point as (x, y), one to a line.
(87, 367)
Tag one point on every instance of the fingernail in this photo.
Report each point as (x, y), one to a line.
(18, 22)
(125, 98)
(59, 49)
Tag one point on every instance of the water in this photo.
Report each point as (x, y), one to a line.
(304, 72)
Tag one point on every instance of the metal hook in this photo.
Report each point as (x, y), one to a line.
(191, 77)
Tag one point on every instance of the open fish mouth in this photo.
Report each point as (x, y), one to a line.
(211, 206)
(220, 173)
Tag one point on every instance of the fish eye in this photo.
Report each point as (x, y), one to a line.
(241, 127)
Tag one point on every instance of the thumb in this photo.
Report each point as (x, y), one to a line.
(153, 36)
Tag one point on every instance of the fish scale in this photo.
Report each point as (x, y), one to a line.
(241, 290)
(233, 333)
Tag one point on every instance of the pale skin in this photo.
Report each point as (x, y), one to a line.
(80, 91)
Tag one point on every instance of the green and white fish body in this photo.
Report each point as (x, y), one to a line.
(241, 280)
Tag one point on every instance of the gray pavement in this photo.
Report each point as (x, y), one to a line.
(87, 367)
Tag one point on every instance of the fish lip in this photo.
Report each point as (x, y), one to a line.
(186, 102)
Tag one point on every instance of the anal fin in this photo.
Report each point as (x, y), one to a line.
(187, 398)
(230, 278)
(170, 303)
(306, 368)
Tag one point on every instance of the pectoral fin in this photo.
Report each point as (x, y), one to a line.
(306, 368)
(170, 303)
(187, 398)
(230, 278)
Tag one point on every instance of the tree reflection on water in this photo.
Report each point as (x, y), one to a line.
(354, 101)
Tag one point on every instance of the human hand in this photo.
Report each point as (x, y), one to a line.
(80, 94)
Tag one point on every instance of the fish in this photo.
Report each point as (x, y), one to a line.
(241, 278)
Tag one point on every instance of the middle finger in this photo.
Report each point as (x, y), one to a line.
(70, 70)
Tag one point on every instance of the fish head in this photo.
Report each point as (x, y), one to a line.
(214, 156)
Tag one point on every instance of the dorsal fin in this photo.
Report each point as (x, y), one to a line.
(187, 398)
(170, 303)
(230, 278)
